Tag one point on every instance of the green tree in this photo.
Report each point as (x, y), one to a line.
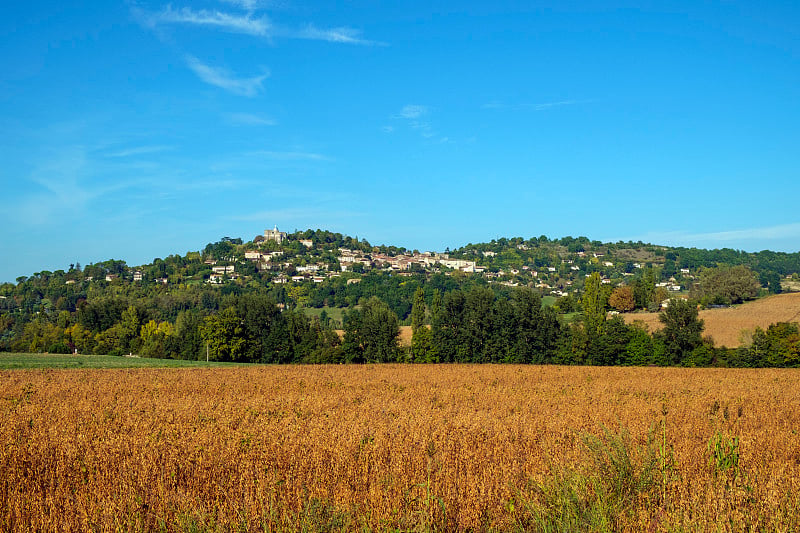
(448, 324)
(639, 350)
(682, 331)
(772, 281)
(421, 347)
(371, 333)
(129, 326)
(478, 327)
(186, 342)
(726, 285)
(779, 346)
(594, 305)
(644, 289)
(379, 331)
(536, 329)
(266, 337)
(223, 334)
(155, 338)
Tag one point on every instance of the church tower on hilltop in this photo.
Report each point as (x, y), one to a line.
(274, 235)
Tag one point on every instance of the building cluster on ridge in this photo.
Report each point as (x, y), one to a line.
(556, 280)
(281, 258)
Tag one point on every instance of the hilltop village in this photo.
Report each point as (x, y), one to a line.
(553, 267)
(281, 297)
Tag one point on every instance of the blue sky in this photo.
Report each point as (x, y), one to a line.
(137, 129)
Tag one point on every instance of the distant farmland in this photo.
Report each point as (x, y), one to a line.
(730, 326)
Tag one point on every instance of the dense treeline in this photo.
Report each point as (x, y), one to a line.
(455, 317)
(471, 325)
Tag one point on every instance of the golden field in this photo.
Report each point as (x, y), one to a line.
(394, 447)
(731, 326)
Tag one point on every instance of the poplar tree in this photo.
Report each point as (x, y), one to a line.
(421, 349)
(594, 306)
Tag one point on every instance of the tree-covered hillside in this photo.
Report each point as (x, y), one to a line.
(249, 301)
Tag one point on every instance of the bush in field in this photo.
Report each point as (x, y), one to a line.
(602, 496)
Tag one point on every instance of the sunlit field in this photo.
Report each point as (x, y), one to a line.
(392, 447)
(733, 326)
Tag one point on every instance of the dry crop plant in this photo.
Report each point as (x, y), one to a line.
(399, 447)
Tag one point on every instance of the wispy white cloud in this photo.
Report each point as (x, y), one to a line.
(230, 22)
(248, 5)
(222, 78)
(250, 119)
(415, 116)
(249, 24)
(139, 150)
(289, 156)
(413, 111)
(334, 35)
(66, 183)
(726, 238)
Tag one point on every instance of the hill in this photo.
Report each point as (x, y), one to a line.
(279, 297)
(732, 325)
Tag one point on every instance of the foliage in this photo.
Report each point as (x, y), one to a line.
(622, 299)
(371, 333)
(778, 346)
(726, 285)
(421, 343)
(594, 302)
(475, 326)
(682, 331)
(723, 452)
(455, 316)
